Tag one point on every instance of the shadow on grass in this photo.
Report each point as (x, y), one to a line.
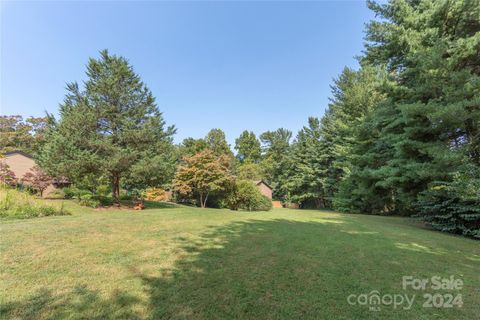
(275, 269)
(246, 270)
(81, 303)
(285, 269)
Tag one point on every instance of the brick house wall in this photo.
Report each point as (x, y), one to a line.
(264, 189)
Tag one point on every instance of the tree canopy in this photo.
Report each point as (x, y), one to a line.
(248, 147)
(217, 142)
(18, 134)
(201, 175)
(113, 128)
(276, 147)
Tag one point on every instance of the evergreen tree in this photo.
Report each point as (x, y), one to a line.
(250, 171)
(431, 122)
(454, 206)
(191, 146)
(248, 147)
(304, 181)
(108, 129)
(355, 95)
(276, 147)
(401, 135)
(419, 149)
(217, 142)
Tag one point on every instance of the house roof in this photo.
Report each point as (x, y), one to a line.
(18, 152)
(257, 182)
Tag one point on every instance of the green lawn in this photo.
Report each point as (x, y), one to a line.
(188, 263)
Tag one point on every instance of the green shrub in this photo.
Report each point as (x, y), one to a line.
(85, 198)
(126, 197)
(104, 190)
(69, 192)
(21, 205)
(92, 203)
(74, 192)
(216, 200)
(57, 194)
(102, 197)
(94, 200)
(104, 200)
(245, 195)
(79, 193)
(453, 206)
(264, 204)
(89, 200)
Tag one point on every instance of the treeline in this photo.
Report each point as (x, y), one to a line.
(255, 159)
(27, 135)
(401, 135)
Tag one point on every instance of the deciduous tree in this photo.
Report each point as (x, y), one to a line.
(24, 135)
(7, 176)
(37, 179)
(202, 174)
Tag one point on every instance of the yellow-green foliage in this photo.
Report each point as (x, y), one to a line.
(16, 204)
(156, 194)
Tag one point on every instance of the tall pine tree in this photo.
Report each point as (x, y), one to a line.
(112, 128)
(424, 138)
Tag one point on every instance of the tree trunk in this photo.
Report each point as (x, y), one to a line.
(116, 189)
(205, 202)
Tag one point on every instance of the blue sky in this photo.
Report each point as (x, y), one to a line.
(228, 65)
